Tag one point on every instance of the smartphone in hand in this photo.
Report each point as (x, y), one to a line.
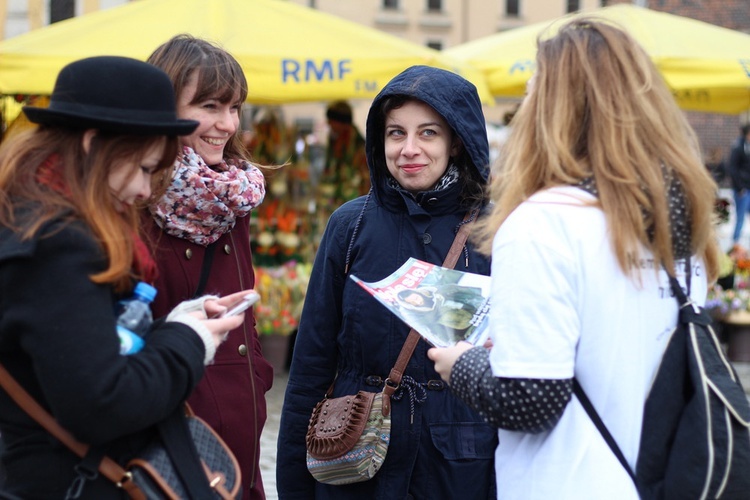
(247, 301)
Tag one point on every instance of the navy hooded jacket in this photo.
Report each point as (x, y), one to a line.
(446, 451)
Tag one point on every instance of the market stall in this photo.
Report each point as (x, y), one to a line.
(313, 56)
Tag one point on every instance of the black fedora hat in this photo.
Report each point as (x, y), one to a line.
(114, 94)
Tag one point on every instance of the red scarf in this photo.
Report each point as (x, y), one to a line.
(50, 175)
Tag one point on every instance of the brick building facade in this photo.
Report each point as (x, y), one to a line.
(716, 132)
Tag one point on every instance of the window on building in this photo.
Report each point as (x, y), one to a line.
(573, 6)
(435, 44)
(60, 10)
(512, 8)
(390, 4)
(434, 5)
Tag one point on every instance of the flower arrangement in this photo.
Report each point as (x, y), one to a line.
(282, 290)
(731, 295)
(721, 303)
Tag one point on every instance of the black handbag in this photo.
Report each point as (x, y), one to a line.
(189, 460)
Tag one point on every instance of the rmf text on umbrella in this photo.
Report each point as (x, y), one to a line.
(308, 70)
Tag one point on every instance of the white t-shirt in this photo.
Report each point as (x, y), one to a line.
(562, 307)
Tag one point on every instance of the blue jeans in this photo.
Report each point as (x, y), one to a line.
(742, 207)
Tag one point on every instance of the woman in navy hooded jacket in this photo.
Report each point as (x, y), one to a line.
(428, 157)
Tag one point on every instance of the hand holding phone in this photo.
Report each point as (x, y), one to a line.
(247, 301)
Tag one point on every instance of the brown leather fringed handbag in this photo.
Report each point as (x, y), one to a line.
(347, 438)
(188, 461)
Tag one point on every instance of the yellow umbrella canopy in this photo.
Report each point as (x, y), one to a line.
(290, 53)
(706, 66)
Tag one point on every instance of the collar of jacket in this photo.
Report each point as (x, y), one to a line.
(445, 201)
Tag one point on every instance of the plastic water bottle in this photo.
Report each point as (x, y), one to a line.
(135, 319)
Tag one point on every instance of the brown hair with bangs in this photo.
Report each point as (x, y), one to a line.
(86, 194)
(598, 107)
(219, 75)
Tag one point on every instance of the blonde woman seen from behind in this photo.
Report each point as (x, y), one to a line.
(601, 193)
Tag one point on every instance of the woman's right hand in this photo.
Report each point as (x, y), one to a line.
(204, 316)
(219, 325)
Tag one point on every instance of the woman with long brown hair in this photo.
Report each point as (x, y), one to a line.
(200, 228)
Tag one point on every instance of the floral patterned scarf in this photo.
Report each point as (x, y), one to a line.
(203, 203)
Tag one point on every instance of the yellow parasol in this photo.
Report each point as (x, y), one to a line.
(706, 66)
(290, 53)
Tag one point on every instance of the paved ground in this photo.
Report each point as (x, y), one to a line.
(274, 400)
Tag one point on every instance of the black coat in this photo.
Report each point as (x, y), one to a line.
(58, 339)
(739, 165)
(344, 331)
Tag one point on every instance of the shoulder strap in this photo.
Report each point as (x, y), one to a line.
(397, 372)
(178, 441)
(108, 467)
(208, 260)
(679, 295)
(589, 407)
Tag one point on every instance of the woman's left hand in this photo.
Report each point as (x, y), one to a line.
(445, 358)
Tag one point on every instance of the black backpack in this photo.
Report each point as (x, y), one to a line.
(695, 442)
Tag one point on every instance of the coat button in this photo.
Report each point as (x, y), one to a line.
(242, 350)
(227, 249)
(427, 238)
(431, 201)
(189, 253)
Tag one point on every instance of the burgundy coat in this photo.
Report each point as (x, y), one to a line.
(231, 395)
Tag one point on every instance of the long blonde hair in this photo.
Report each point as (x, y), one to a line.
(599, 108)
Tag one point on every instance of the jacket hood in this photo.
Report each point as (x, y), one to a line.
(453, 97)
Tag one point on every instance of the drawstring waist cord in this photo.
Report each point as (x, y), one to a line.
(417, 391)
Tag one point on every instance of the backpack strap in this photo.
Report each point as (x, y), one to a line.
(681, 297)
(589, 407)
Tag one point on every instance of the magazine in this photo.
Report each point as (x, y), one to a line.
(444, 305)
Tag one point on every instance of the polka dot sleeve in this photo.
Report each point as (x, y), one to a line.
(516, 404)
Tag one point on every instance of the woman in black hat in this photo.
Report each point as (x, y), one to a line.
(69, 250)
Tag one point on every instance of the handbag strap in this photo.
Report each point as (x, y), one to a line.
(393, 381)
(208, 260)
(175, 434)
(108, 467)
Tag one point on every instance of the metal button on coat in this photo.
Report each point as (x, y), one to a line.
(432, 201)
(227, 249)
(189, 253)
(242, 350)
(427, 238)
